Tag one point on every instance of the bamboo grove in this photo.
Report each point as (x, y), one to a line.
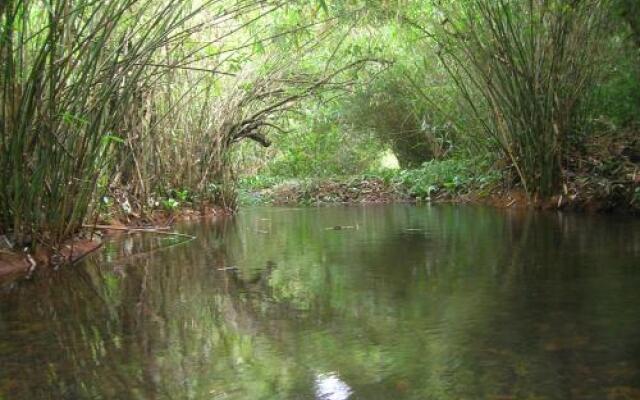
(130, 97)
(125, 101)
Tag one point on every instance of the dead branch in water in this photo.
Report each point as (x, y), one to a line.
(158, 231)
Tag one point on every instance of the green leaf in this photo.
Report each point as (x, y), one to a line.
(323, 5)
(71, 119)
(258, 48)
(111, 138)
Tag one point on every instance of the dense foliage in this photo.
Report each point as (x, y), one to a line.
(535, 92)
(139, 104)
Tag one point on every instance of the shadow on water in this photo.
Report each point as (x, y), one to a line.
(412, 303)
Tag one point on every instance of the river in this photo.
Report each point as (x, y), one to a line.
(337, 303)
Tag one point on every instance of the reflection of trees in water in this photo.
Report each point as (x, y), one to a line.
(464, 289)
(145, 330)
(444, 303)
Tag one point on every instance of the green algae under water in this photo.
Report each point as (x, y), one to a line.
(404, 302)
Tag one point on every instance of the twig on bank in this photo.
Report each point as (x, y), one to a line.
(152, 251)
(83, 255)
(158, 231)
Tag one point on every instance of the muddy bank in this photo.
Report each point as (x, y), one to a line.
(12, 265)
(156, 218)
(581, 194)
(16, 264)
(334, 191)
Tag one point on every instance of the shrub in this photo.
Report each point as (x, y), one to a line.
(524, 68)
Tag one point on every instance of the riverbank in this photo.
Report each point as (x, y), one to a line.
(580, 198)
(16, 264)
(608, 181)
(579, 194)
(595, 183)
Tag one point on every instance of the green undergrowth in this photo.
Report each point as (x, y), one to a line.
(601, 175)
(433, 180)
(449, 178)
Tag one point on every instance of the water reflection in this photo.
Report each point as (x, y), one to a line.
(418, 303)
(331, 387)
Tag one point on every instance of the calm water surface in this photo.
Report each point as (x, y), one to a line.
(411, 303)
